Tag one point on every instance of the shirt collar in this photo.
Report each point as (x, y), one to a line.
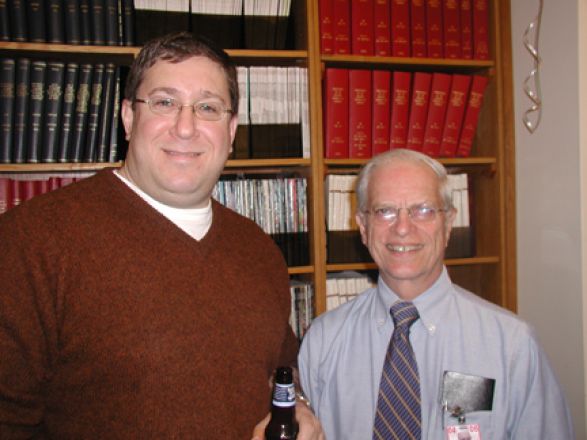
(429, 303)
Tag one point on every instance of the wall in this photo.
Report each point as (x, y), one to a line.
(549, 196)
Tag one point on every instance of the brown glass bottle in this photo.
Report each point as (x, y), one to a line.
(283, 424)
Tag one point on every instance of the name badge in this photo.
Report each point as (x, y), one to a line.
(463, 432)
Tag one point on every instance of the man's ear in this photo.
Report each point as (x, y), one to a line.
(127, 114)
(448, 222)
(362, 224)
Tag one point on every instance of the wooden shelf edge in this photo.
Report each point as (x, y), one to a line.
(259, 163)
(407, 61)
(447, 161)
(474, 261)
(300, 270)
(56, 167)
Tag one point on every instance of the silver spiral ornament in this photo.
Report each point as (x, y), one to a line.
(532, 89)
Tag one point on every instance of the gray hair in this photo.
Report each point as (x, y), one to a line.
(402, 155)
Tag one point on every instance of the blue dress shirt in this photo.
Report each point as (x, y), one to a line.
(342, 356)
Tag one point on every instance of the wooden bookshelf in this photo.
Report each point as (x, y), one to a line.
(492, 272)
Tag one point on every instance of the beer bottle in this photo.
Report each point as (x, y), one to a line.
(283, 424)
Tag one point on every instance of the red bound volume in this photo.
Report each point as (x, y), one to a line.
(5, 195)
(418, 22)
(418, 110)
(28, 189)
(381, 110)
(455, 110)
(474, 103)
(435, 44)
(336, 113)
(481, 29)
(452, 29)
(342, 26)
(362, 27)
(439, 91)
(382, 32)
(466, 29)
(400, 28)
(326, 26)
(16, 192)
(400, 109)
(360, 107)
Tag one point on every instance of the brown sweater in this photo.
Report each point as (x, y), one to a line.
(114, 324)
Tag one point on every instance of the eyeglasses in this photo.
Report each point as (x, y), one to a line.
(387, 215)
(204, 110)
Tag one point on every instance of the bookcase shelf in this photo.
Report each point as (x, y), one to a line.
(491, 272)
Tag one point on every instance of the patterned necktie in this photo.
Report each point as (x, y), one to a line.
(398, 413)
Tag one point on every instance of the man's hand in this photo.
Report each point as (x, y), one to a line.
(310, 427)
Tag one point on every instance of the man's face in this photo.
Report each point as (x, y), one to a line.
(178, 159)
(409, 254)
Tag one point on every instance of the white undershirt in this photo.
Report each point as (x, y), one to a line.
(195, 222)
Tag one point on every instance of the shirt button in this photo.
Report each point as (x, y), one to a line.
(432, 329)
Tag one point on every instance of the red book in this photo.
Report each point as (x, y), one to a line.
(381, 112)
(336, 113)
(481, 29)
(362, 29)
(434, 40)
(400, 109)
(418, 24)
(360, 107)
(342, 26)
(439, 91)
(326, 26)
(466, 30)
(451, 20)
(474, 103)
(28, 189)
(64, 181)
(4, 194)
(382, 32)
(54, 183)
(400, 28)
(16, 191)
(455, 109)
(418, 110)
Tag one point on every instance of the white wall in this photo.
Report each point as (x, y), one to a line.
(549, 196)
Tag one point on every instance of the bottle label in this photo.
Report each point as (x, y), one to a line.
(284, 395)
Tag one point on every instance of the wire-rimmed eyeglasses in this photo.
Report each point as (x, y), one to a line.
(203, 110)
(387, 215)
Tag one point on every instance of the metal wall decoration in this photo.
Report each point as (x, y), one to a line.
(532, 89)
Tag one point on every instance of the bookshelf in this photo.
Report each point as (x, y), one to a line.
(491, 272)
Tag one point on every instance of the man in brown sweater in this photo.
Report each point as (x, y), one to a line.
(131, 304)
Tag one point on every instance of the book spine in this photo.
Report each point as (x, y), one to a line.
(434, 40)
(382, 31)
(342, 26)
(7, 84)
(82, 103)
(35, 13)
(360, 117)
(18, 21)
(400, 28)
(21, 109)
(466, 29)
(85, 22)
(113, 153)
(381, 111)
(111, 22)
(474, 103)
(149, 19)
(362, 27)
(418, 110)
(4, 21)
(5, 194)
(336, 113)
(69, 91)
(98, 21)
(452, 29)
(72, 22)
(418, 28)
(400, 109)
(439, 91)
(94, 114)
(53, 114)
(36, 111)
(481, 29)
(105, 123)
(454, 115)
(55, 24)
(128, 22)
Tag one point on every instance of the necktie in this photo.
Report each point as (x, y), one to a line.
(398, 413)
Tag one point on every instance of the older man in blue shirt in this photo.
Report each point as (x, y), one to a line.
(405, 218)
